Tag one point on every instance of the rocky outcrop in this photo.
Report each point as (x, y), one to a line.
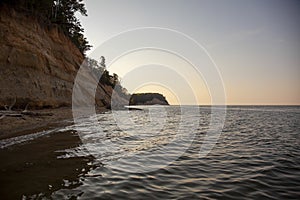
(148, 99)
(38, 64)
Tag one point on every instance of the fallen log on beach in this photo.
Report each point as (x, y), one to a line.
(8, 112)
(22, 114)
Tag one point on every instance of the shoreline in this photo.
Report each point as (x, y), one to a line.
(44, 120)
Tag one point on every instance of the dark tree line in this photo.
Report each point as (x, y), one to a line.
(59, 12)
(98, 70)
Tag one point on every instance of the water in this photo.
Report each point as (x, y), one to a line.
(257, 156)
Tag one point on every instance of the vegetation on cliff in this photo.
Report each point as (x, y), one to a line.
(56, 12)
(148, 99)
(99, 70)
(62, 13)
(39, 63)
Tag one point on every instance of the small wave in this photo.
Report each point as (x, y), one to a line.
(4, 143)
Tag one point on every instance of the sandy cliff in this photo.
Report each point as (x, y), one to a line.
(38, 64)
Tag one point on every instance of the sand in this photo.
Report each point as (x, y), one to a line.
(44, 120)
(47, 118)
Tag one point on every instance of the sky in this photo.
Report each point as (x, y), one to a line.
(248, 52)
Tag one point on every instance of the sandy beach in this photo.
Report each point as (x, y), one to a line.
(44, 120)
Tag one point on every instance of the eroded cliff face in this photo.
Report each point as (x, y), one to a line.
(38, 65)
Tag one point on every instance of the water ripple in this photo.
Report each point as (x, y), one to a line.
(256, 157)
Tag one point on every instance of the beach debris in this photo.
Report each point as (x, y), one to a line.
(8, 112)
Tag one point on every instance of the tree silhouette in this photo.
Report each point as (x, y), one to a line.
(102, 61)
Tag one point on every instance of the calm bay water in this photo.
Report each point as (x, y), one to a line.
(257, 156)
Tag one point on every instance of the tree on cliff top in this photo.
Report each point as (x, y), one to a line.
(60, 12)
(64, 15)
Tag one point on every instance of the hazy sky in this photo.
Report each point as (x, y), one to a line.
(255, 45)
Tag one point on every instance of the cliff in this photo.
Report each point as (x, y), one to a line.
(38, 64)
(148, 99)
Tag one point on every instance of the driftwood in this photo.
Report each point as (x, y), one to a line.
(8, 112)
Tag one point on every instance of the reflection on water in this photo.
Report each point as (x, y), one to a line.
(33, 168)
(257, 156)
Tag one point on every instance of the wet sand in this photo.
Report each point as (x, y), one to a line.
(34, 167)
(44, 120)
(48, 118)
